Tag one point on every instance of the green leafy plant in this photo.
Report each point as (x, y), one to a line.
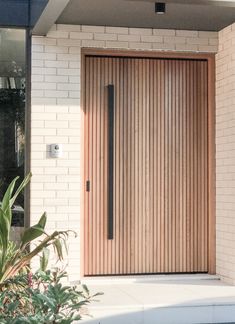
(42, 298)
(27, 297)
(16, 258)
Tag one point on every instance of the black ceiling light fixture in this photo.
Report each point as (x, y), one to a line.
(160, 8)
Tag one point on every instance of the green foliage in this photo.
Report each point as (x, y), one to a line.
(15, 259)
(42, 298)
(44, 259)
(34, 298)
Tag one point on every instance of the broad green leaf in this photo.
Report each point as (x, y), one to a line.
(5, 225)
(43, 220)
(34, 232)
(13, 306)
(48, 301)
(5, 214)
(7, 196)
(44, 259)
(86, 290)
(6, 204)
(20, 188)
(59, 249)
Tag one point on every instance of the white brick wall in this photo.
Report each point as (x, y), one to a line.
(57, 118)
(225, 156)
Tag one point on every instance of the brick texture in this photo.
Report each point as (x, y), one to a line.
(57, 117)
(225, 156)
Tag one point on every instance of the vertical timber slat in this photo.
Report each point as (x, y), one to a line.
(160, 162)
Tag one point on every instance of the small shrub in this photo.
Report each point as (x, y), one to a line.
(42, 298)
(15, 258)
(34, 298)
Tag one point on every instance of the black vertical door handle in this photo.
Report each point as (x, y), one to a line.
(110, 159)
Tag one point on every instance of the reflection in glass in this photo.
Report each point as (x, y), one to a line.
(12, 113)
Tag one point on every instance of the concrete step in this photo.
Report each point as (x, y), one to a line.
(182, 300)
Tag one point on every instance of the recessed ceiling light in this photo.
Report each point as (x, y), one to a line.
(160, 8)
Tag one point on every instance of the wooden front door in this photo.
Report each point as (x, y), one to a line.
(146, 165)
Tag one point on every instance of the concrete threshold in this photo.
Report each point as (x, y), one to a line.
(146, 278)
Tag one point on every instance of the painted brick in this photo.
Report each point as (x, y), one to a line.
(42, 101)
(152, 39)
(141, 31)
(113, 44)
(75, 65)
(44, 71)
(225, 153)
(77, 35)
(44, 116)
(75, 50)
(56, 64)
(37, 124)
(68, 42)
(38, 63)
(56, 49)
(93, 43)
(60, 139)
(43, 41)
(187, 33)
(71, 71)
(37, 48)
(67, 57)
(140, 45)
(116, 30)
(57, 170)
(67, 86)
(58, 34)
(174, 40)
(68, 28)
(37, 93)
(56, 94)
(56, 78)
(164, 32)
(104, 37)
(208, 34)
(74, 79)
(197, 41)
(43, 56)
(163, 46)
(56, 124)
(213, 41)
(93, 29)
(186, 47)
(74, 94)
(209, 48)
(129, 38)
(43, 85)
(37, 78)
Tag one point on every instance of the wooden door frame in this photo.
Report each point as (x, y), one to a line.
(210, 58)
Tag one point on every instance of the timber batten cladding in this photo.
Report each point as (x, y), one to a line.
(161, 146)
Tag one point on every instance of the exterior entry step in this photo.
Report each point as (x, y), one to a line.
(190, 299)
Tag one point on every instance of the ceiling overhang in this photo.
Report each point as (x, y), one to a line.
(208, 15)
(51, 13)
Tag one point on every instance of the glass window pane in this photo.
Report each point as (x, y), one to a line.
(12, 113)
